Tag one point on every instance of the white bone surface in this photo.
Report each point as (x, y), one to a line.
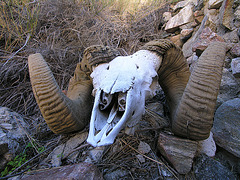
(133, 78)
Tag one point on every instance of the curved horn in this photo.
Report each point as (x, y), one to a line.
(191, 99)
(62, 114)
(70, 113)
(194, 115)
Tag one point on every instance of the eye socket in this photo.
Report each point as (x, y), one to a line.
(108, 68)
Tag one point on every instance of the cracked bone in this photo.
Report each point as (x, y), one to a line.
(120, 89)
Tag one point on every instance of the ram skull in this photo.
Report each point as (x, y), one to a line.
(121, 85)
(121, 88)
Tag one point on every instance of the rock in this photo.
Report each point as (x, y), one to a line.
(74, 142)
(179, 152)
(226, 14)
(237, 13)
(182, 4)
(144, 148)
(205, 38)
(207, 146)
(97, 153)
(167, 16)
(192, 61)
(208, 168)
(118, 174)
(199, 5)
(214, 4)
(76, 171)
(235, 50)
(231, 37)
(187, 47)
(229, 87)
(12, 134)
(213, 21)
(198, 19)
(235, 65)
(226, 126)
(238, 32)
(63, 150)
(183, 17)
(186, 34)
(177, 40)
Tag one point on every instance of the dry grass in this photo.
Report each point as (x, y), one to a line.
(60, 31)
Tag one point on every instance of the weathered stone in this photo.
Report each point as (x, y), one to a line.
(229, 87)
(208, 168)
(167, 16)
(198, 19)
(198, 13)
(231, 37)
(180, 152)
(144, 148)
(205, 38)
(238, 32)
(63, 150)
(207, 146)
(214, 4)
(177, 40)
(74, 142)
(182, 4)
(12, 134)
(186, 34)
(226, 126)
(235, 65)
(187, 47)
(183, 17)
(118, 174)
(226, 14)
(237, 13)
(76, 171)
(97, 153)
(213, 21)
(235, 50)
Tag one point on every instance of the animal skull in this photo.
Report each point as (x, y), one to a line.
(120, 89)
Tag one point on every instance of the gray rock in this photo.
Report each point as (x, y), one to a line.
(229, 87)
(231, 37)
(12, 134)
(77, 171)
(117, 174)
(208, 168)
(238, 32)
(235, 65)
(183, 17)
(226, 126)
(97, 153)
(179, 152)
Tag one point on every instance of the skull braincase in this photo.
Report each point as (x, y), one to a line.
(120, 89)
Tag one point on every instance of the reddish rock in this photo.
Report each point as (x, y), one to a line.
(198, 19)
(179, 152)
(177, 40)
(198, 13)
(187, 32)
(77, 171)
(205, 38)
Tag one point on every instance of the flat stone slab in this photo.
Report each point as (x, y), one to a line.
(179, 152)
